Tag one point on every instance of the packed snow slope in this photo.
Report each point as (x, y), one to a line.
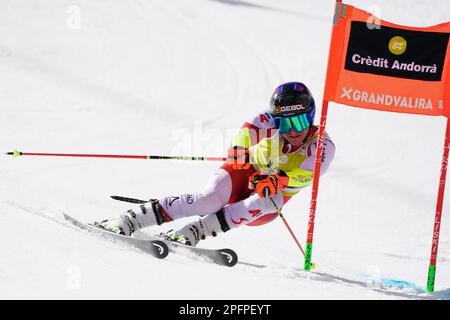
(179, 78)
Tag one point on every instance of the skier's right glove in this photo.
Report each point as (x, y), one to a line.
(267, 185)
(238, 157)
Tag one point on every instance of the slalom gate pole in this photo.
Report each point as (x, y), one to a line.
(290, 230)
(437, 219)
(319, 152)
(315, 187)
(16, 153)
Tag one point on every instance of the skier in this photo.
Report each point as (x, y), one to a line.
(269, 161)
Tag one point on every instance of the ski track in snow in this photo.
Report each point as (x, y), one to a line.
(127, 85)
(391, 288)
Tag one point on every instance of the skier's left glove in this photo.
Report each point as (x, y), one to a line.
(267, 185)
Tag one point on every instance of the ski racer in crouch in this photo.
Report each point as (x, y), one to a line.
(272, 157)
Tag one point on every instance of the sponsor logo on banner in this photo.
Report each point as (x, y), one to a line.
(397, 45)
(396, 52)
(386, 99)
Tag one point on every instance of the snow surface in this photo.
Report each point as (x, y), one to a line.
(179, 77)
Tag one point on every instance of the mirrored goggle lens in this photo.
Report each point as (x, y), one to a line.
(298, 123)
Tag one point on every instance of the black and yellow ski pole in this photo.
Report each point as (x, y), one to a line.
(17, 153)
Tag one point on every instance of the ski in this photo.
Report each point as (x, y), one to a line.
(127, 199)
(224, 257)
(156, 247)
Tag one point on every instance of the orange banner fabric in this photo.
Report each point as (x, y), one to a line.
(375, 64)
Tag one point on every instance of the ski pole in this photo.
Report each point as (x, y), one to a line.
(313, 265)
(16, 153)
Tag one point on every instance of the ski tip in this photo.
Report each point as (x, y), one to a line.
(126, 199)
(160, 249)
(66, 216)
(229, 257)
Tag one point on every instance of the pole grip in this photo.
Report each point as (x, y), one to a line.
(14, 153)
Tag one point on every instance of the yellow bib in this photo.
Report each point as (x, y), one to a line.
(267, 157)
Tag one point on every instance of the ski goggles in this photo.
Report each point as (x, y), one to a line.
(297, 122)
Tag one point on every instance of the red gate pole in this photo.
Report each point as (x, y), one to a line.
(315, 186)
(437, 219)
(319, 151)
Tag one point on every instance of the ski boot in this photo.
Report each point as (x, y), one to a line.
(150, 214)
(192, 233)
(112, 225)
(171, 235)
